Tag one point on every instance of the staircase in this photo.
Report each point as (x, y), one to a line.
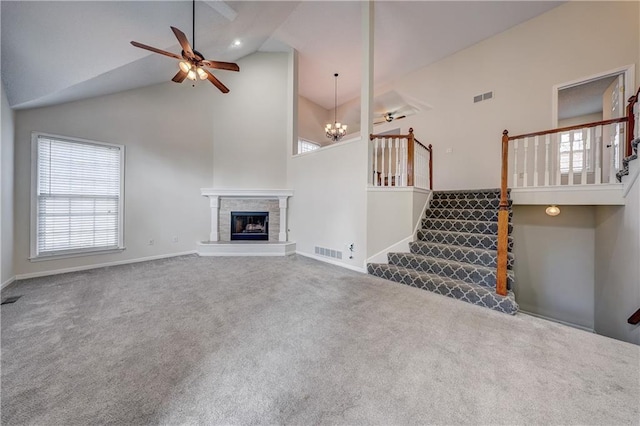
(455, 252)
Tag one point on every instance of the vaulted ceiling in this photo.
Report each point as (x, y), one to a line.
(58, 51)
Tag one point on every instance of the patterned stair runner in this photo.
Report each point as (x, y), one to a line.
(455, 252)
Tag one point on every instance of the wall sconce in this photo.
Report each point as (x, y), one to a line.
(552, 210)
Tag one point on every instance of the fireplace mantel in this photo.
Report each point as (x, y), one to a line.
(214, 195)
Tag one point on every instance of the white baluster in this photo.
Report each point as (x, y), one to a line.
(397, 173)
(525, 176)
(558, 171)
(547, 141)
(390, 173)
(382, 175)
(583, 176)
(596, 136)
(570, 177)
(535, 161)
(515, 163)
(375, 162)
(612, 168)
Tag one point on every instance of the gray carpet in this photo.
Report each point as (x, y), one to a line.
(290, 340)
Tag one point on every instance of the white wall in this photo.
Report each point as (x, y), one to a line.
(250, 125)
(312, 119)
(520, 65)
(617, 269)
(329, 206)
(6, 190)
(554, 266)
(582, 119)
(167, 132)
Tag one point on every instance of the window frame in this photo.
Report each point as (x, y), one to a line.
(303, 140)
(33, 237)
(589, 153)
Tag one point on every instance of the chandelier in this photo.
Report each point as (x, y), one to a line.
(335, 131)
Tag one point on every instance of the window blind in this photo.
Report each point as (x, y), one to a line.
(78, 196)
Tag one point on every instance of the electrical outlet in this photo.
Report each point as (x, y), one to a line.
(151, 242)
(175, 239)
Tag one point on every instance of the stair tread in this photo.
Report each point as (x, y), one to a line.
(451, 287)
(459, 247)
(462, 220)
(453, 262)
(462, 233)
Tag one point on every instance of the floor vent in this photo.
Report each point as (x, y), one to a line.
(11, 299)
(321, 251)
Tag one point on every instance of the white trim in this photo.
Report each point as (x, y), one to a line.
(33, 250)
(246, 193)
(246, 248)
(82, 253)
(629, 85)
(605, 194)
(569, 324)
(422, 214)
(326, 147)
(632, 177)
(7, 282)
(101, 265)
(371, 188)
(333, 262)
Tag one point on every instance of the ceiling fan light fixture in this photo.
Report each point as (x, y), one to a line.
(191, 75)
(184, 66)
(201, 73)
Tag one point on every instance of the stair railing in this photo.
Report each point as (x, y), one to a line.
(588, 135)
(401, 161)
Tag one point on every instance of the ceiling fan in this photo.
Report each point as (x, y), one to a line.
(193, 63)
(389, 117)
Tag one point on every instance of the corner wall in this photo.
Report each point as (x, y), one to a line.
(554, 263)
(6, 190)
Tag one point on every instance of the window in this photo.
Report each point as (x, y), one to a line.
(77, 196)
(306, 146)
(572, 146)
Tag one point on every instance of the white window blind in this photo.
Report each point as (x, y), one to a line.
(306, 146)
(78, 196)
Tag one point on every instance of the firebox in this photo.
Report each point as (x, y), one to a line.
(250, 226)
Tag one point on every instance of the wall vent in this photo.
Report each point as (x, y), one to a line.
(483, 97)
(321, 251)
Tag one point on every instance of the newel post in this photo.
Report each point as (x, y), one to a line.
(503, 222)
(410, 150)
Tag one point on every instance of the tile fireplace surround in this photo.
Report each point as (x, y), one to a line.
(224, 201)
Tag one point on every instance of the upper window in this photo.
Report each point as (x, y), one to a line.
(573, 149)
(77, 196)
(306, 146)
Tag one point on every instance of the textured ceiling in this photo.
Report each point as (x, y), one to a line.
(57, 51)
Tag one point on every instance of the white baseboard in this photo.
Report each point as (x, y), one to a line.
(246, 248)
(333, 262)
(7, 282)
(569, 324)
(99, 265)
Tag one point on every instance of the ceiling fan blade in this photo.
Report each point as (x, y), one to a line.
(184, 43)
(400, 118)
(379, 122)
(179, 78)
(153, 49)
(228, 66)
(216, 82)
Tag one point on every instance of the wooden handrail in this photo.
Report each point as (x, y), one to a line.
(568, 128)
(410, 154)
(632, 123)
(503, 222)
(635, 318)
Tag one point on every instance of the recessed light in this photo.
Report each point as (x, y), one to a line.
(237, 43)
(552, 210)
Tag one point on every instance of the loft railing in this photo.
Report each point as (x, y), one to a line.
(401, 161)
(578, 152)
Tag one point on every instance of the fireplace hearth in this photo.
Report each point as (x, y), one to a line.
(253, 226)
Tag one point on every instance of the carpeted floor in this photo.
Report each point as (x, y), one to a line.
(292, 340)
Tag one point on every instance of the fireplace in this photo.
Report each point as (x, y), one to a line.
(250, 226)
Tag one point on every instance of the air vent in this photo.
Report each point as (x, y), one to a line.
(483, 97)
(326, 252)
